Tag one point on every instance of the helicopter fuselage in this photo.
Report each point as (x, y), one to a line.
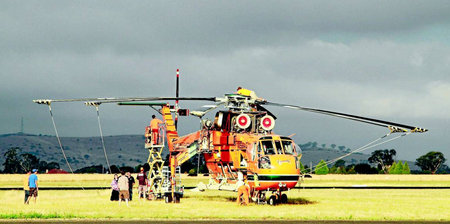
(233, 144)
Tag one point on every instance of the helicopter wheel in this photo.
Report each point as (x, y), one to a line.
(272, 200)
(284, 199)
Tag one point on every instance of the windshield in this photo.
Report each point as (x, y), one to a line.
(278, 147)
(289, 147)
(268, 148)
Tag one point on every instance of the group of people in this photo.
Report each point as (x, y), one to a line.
(122, 187)
(30, 186)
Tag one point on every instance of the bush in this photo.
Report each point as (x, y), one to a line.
(406, 169)
(351, 170)
(341, 170)
(399, 168)
(302, 168)
(127, 169)
(333, 169)
(115, 169)
(322, 168)
(90, 169)
(364, 168)
(392, 168)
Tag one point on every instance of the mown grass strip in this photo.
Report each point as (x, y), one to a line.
(37, 215)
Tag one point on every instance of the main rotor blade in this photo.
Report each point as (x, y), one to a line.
(129, 99)
(205, 109)
(394, 127)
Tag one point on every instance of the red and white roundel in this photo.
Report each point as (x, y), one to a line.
(267, 122)
(243, 121)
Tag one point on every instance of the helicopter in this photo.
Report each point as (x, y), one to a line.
(239, 142)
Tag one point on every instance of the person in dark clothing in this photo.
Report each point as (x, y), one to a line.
(142, 179)
(130, 183)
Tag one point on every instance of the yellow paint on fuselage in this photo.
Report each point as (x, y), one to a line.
(281, 164)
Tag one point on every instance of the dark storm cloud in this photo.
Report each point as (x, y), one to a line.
(199, 27)
(386, 59)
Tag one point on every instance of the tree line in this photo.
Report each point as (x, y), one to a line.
(18, 162)
(383, 163)
(382, 160)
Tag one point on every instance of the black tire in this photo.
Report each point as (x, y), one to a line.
(177, 199)
(284, 199)
(272, 200)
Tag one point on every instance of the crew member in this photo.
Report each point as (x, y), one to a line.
(243, 189)
(123, 188)
(33, 184)
(142, 179)
(130, 184)
(154, 125)
(250, 93)
(26, 186)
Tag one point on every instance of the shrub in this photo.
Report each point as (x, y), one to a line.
(341, 170)
(322, 168)
(406, 169)
(392, 168)
(351, 170)
(364, 168)
(399, 168)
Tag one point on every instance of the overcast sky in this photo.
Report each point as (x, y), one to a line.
(383, 59)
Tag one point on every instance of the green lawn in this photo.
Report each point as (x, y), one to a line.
(313, 204)
(323, 204)
(104, 180)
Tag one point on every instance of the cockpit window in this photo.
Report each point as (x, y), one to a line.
(279, 148)
(268, 148)
(289, 147)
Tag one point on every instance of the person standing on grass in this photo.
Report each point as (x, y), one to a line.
(33, 184)
(142, 181)
(115, 188)
(26, 186)
(123, 187)
(130, 184)
(243, 189)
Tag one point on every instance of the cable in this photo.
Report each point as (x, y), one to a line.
(360, 149)
(101, 136)
(59, 140)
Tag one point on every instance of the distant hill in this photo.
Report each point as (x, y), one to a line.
(128, 150)
(81, 151)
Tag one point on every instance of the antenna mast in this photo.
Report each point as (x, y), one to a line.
(21, 125)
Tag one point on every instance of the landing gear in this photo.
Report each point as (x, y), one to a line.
(283, 199)
(259, 197)
(272, 200)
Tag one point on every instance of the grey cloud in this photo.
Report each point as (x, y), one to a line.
(284, 50)
(201, 27)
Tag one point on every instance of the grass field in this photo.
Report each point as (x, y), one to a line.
(104, 180)
(312, 204)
